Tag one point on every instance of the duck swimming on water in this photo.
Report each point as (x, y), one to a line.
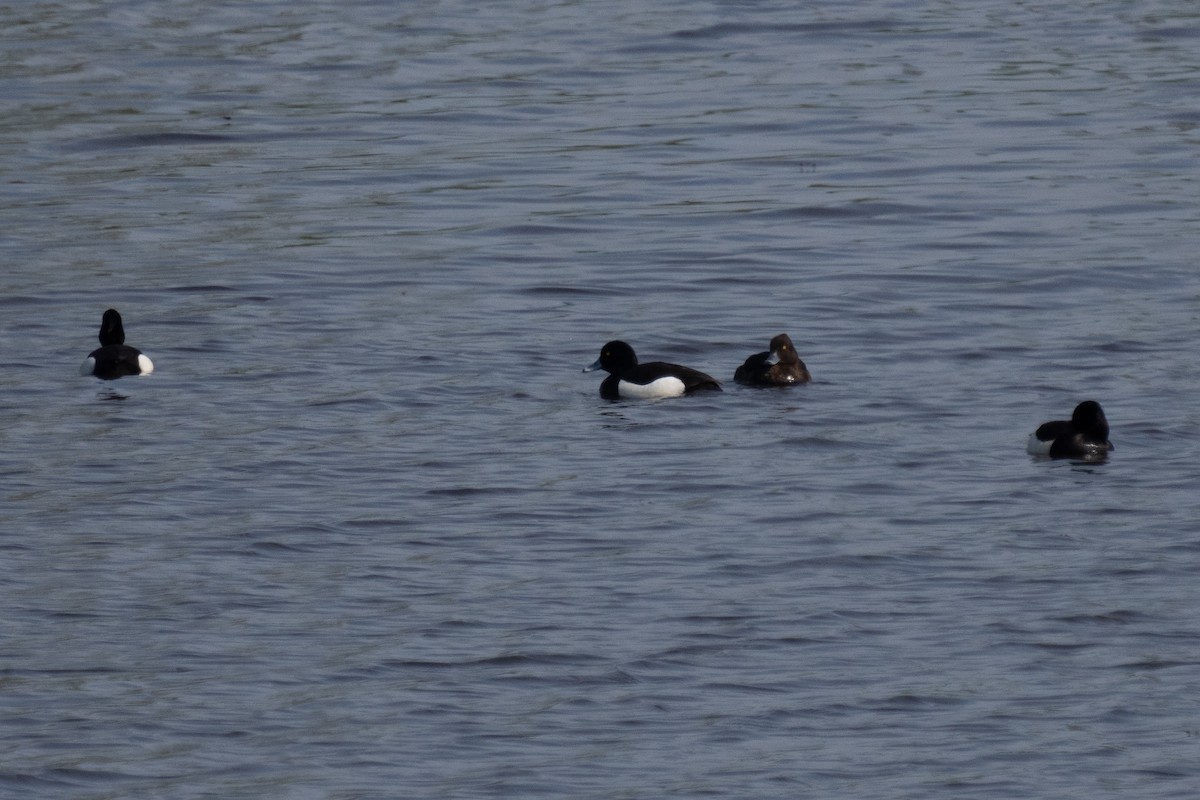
(629, 379)
(779, 366)
(113, 358)
(1084, 435)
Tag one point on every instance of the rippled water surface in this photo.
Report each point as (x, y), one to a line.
(367, 531)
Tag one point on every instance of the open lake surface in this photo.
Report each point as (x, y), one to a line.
(368, 532)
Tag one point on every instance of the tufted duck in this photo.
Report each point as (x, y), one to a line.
(114, 358)
(629, 379)
(779, 366)
(1084, 436)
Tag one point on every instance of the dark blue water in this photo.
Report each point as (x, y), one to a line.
(368, 531)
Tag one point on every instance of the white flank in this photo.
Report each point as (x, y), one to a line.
(145, 364)
(1036, 447)
(88, 366)
(666, 386)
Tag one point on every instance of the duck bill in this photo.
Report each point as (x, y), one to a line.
(595, 365)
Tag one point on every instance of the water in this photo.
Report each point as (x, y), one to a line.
(368, 531)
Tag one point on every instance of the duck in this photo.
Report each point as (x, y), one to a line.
(778, 366)
(629, 379)
(113, 358)
(1084, 435)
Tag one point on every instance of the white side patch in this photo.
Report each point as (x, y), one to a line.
(666, 386)
(145, 364)
(88, 367)
(1036, 447)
